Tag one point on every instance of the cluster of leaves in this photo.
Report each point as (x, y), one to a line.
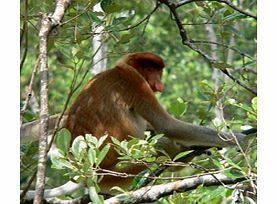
(80, 159)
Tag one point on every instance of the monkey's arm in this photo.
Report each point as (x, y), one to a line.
(144, 102)
(194, 135)
(189, 134)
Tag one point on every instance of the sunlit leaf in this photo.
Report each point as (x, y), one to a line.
(91, 139)
(182, 154)
(101, 140)
(60, 163)
(254, 103)
(115, 141)
(78, 146)
(102, 154)
(63, 140)
(92, 156)
(94, 197)
(216, 163)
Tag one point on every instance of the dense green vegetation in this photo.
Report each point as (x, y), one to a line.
(198, 90)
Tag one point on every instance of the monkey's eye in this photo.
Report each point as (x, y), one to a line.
(149, 69)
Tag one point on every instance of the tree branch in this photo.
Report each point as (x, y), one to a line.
(222, 45)
(48, 22)
(65, 189)
(189, 42)
(43, 35)
(153, 193)
(143, 20)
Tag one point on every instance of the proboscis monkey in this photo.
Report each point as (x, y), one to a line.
(121, 102)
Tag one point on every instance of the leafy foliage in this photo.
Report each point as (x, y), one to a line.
(81, 159)
(195, 92)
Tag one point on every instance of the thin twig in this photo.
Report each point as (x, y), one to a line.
(25, 16)
(146, 18)
(181, 3)
(239, 82)
(25, 33)
(241, 150)
(78, 15)
(223, 45)
(29, 92)
(87, 71)
(189, 42)
(23, 193)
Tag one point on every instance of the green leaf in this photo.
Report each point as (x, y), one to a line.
(254, 104)
(222, 65)
(91, 139)
(102, 154)
(51, 43)
(66, 164)
(182, 154)
(141, 178)
(101, 140)
(94, 17)
(59, 162)
(214, 194)
(229, 161)
(90, 182)
(79, 54)
(110, 6)
(120, 190)
(125, 38)
(115, 141)
(94, 197)
(217, 163)
(55, 161)
(63, 140)
(92, 156)
(233, 173)
(217, 5)
(153, 140)
(105, 3)
(250, 63)
(234, 16)
(179, 107)
(78, 147)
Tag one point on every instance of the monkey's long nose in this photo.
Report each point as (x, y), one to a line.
(158, 87)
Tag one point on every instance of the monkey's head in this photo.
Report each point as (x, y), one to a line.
(150, 66)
